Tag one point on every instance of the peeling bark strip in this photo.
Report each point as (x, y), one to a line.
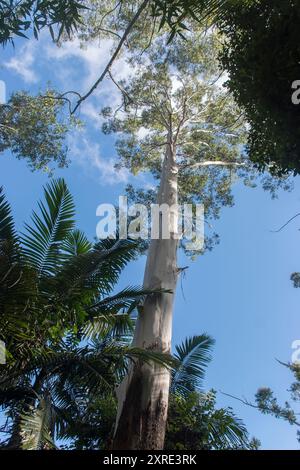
(143, 396)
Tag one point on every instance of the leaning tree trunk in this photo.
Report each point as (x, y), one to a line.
(143, 395)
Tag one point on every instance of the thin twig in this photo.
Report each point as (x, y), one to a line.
(114, 56)
(290, 220)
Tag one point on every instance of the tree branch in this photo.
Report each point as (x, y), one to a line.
(248, 403)
(283, 226)
(214, 163)
(114, 56)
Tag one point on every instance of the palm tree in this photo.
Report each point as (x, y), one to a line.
(61, 322)
(194, 421)
(67, 336)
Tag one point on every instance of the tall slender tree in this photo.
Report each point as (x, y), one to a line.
(181, 126)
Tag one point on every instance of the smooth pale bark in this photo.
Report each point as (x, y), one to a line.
(143, 395)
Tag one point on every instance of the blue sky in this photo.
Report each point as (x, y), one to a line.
(240, 293)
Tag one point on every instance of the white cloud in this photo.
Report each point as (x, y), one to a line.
(176, 83)
(73, 67)
(22, 63)
(93, 57)
(143, 132)
(92, 112)
(76, 66)
(87, 154)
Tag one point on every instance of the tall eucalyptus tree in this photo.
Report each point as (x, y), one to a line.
(182, 127)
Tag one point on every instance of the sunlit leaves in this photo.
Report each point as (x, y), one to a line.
(20, 18)
(35, 128)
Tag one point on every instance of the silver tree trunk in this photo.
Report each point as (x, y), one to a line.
(143, 395)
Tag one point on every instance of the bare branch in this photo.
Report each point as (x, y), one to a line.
(290, 220)
(214, 163)
(114, 55)
(249, 403)
(122, 90)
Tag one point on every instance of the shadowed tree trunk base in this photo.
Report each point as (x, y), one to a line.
(142, 425)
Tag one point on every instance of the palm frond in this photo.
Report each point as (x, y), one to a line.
(148, 357)
(17, 284)
(227, 431)
(42, 243)
(7, 227)
(76, 243)
(36, 427)
(175, 12)
(115, 325)
(193, 356)
(96, 271)
(127, 300)
(15, 394)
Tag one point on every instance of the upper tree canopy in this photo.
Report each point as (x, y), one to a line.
(260, 53)
(175, 96)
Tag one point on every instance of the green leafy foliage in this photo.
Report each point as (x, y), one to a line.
(267, 402)
(295, 278)
(194, 423)
(265, 399)
(261, 55)
(174, 95)
(35, 128)
(7, 229)
(177, 14)
(18, 18)
(193, 356)
(35, 425)
(43, 241)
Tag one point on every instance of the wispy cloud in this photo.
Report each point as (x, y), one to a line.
(87, 154)
(72, 66)
(93, 56)
(77, 67)
(22, 63)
